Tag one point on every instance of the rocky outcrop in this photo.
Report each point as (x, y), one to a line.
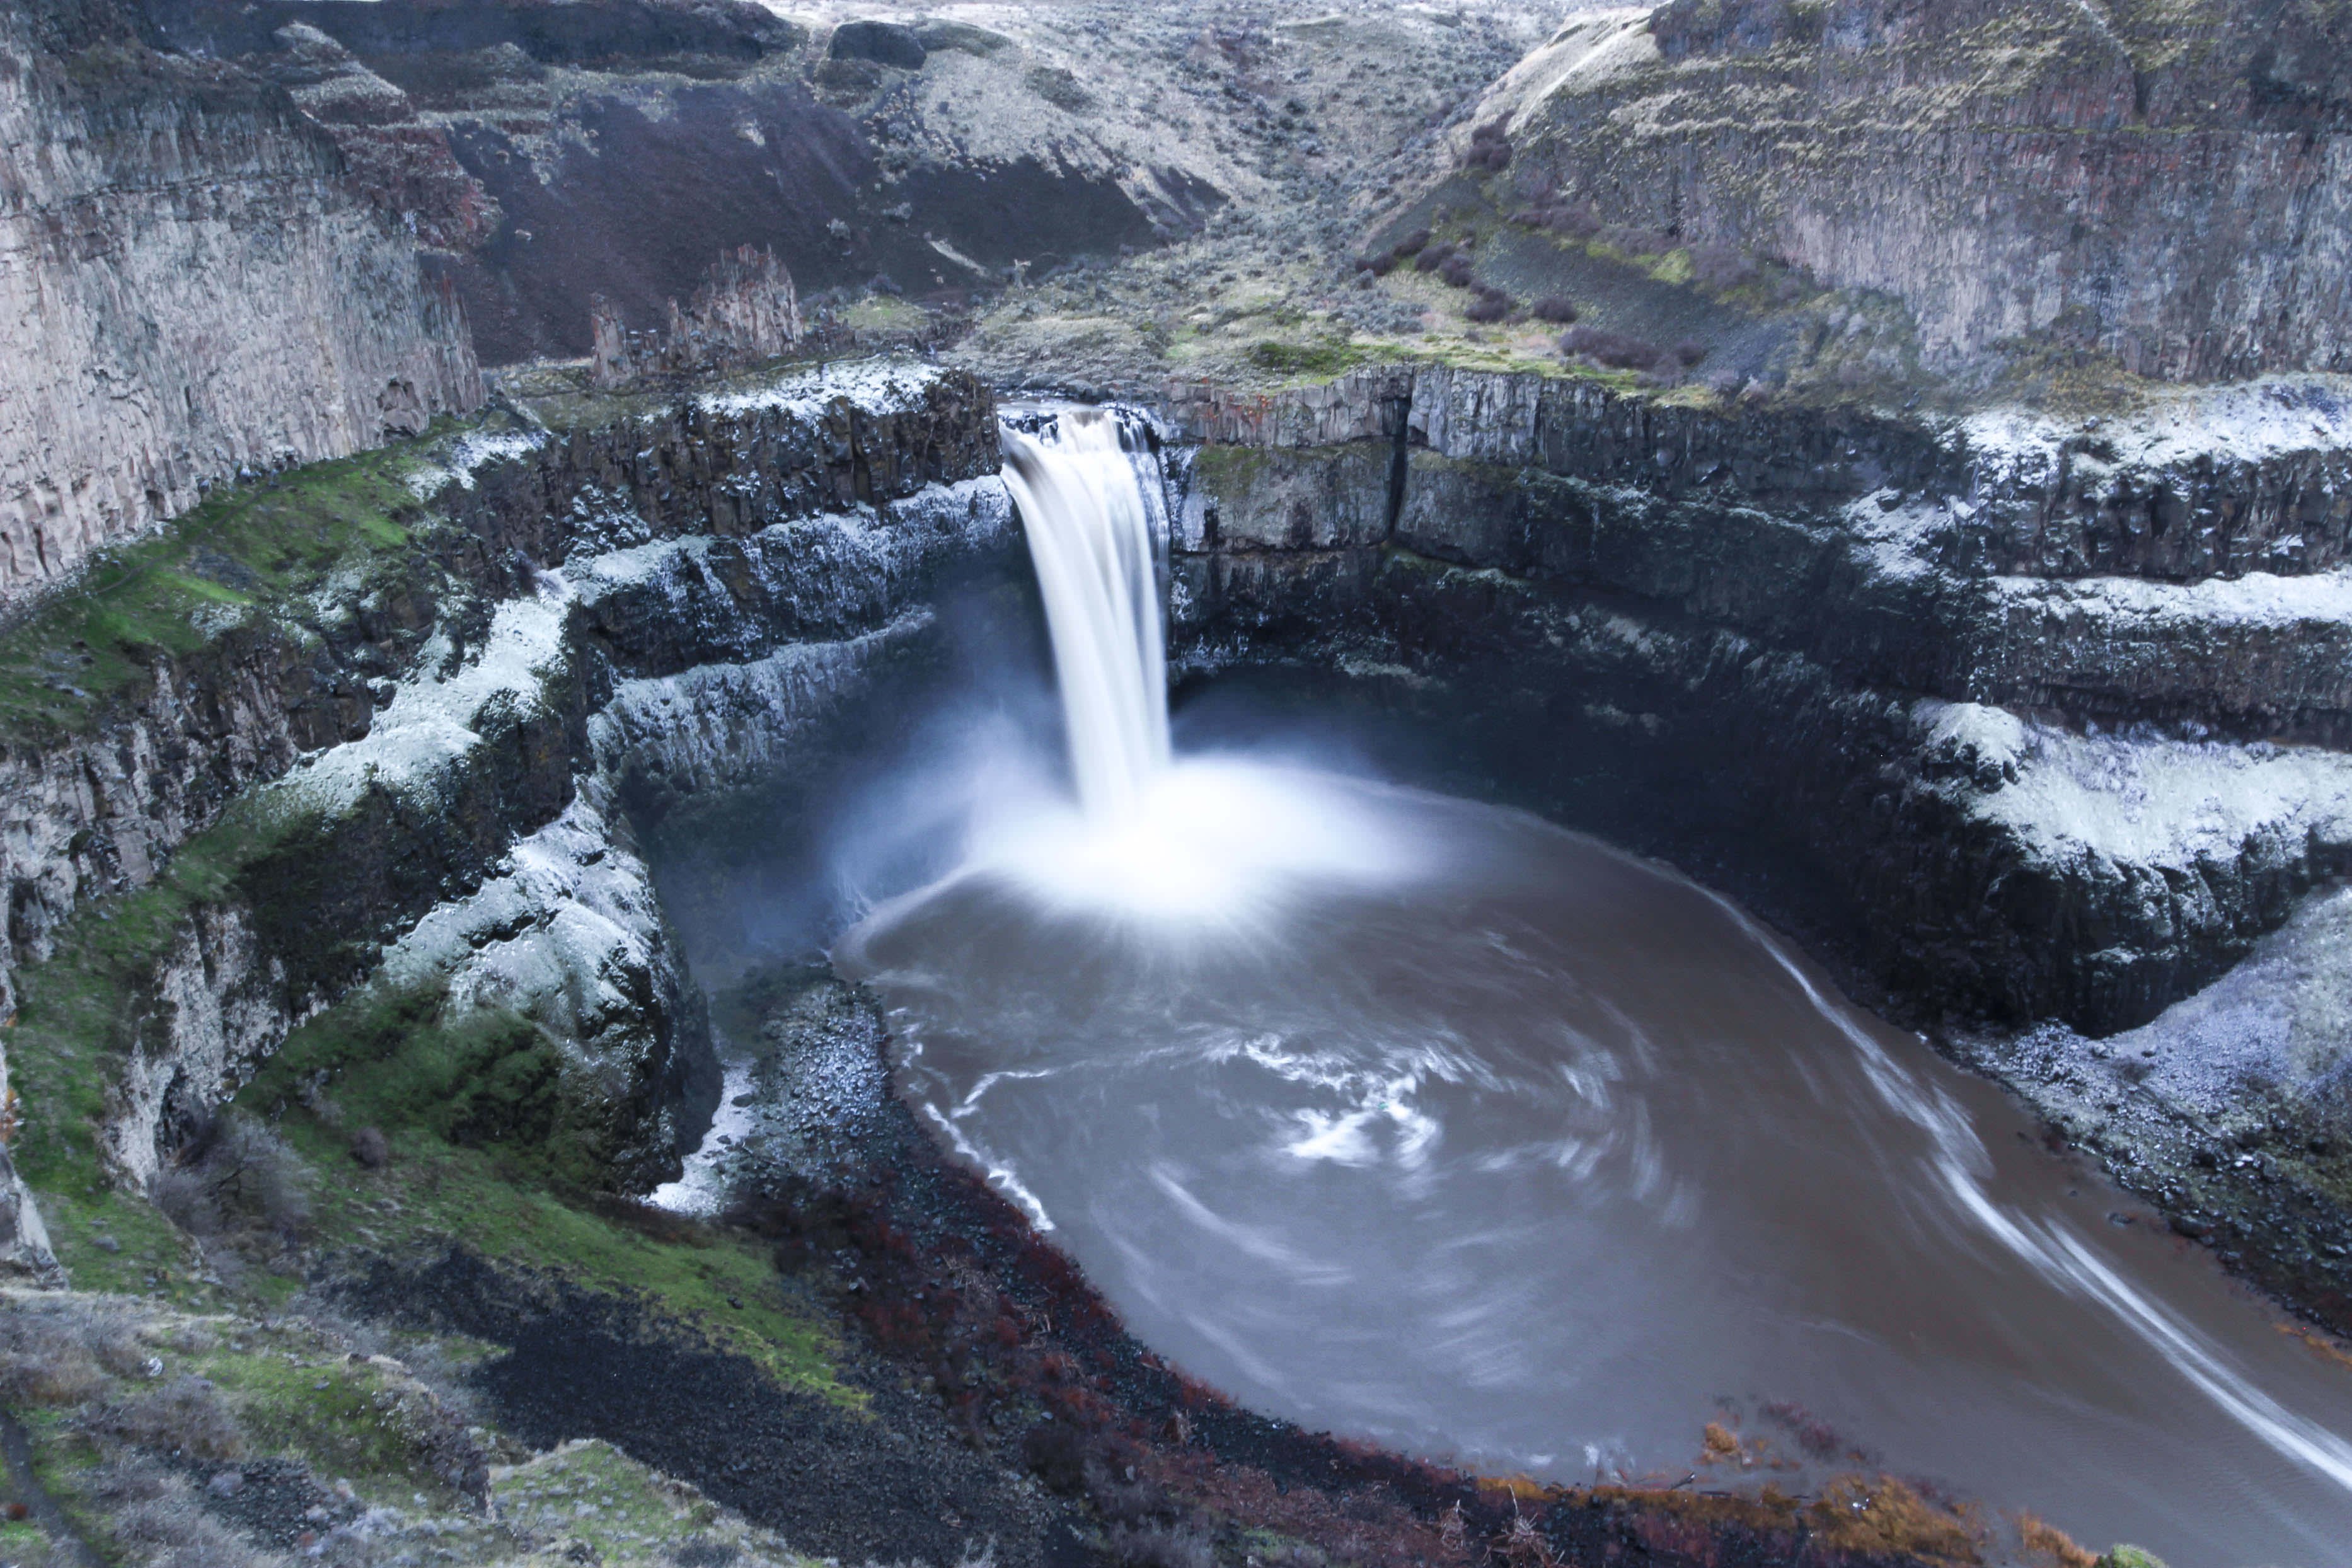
(570, 937)
(2167, 185)
(189, 290)
(554, 153)
(745, 311)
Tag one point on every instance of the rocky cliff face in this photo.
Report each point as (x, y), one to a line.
(776, 536)
(2163, 184)
(1871, 583)
(191, 290)
(553, 153)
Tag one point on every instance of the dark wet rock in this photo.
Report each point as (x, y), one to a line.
(884, 43)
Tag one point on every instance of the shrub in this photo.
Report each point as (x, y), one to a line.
(1056, 1454)
(184, 1417)
(2052, 1544)
(371, 1149)
(1690, 350)
(1575, 219)
(1634, 240)
(44, 1360)
(1301, 359)
(1410, 243)
(1456, 270)
(1492, 305)
(236, 1174)
(1555, 308)
(155, 1513)
(1489, 147)
(1432, 256)
(1380, 266)
(1158, 1547)
(1615, 350)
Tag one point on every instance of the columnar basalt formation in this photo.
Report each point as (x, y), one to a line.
(746, 310)
(191, 290)
(2167, 185)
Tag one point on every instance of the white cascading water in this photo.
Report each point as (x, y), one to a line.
(1090, 527)
(1215, 841)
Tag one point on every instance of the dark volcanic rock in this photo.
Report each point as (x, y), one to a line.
(542, 189)
(831, 1481)
(1808, 606)
(884, 43)
(594, 34)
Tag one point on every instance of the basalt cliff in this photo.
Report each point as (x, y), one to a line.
(1889, 460)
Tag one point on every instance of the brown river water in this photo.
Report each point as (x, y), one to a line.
(1421, 1121)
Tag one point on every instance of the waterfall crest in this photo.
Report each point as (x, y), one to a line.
(1089, 523)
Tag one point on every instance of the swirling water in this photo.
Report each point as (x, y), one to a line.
(1422, 1121)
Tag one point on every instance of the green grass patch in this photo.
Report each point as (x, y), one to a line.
(346, 1418)
(23, 1542)
(479, 1154)
(431, 1192)
(1313, 360)
(490, 1079)
(78, 1013)
(146, 1252)
(592, 1493)
(246, 549)
(883, 313)
(1673, 266)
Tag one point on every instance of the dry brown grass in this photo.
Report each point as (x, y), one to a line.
(1881, 1514)
(2326, 1347)
(2047, 1543)
(1717, 1445)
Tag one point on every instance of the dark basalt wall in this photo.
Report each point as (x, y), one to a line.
(1725, 635)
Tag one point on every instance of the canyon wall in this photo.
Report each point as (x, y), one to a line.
(190, 291)
(549, 154)
(1898, 648)
(2169, 185)
(530, 644)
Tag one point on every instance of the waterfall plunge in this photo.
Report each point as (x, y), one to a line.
(1089, 525)
(1207, 840)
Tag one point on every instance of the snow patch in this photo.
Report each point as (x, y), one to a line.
(2281, 1019)
(2127, 798)
(2256, 599)
(873, 386)
(563, 936)
(2244, 421)
(458, 461)
(720, 724)
(431, 723)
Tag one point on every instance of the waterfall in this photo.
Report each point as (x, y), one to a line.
(1089, 522)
